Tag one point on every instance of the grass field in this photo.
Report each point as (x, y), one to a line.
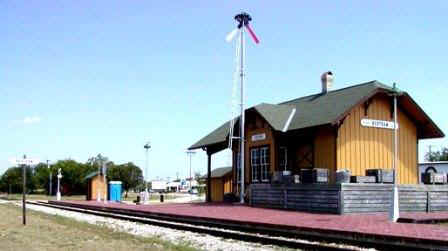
(39, 197)
(131, 197)
(48, 232)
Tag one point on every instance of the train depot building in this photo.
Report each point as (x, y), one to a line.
(294, 151)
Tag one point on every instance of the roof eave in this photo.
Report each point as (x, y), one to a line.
(439, 133)
(362, 100)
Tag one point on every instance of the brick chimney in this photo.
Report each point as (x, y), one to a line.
(327, 81)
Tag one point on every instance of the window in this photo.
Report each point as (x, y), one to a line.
(264, 163)
(254, 163)
(283, 158)
(260, 162)
(237, 162)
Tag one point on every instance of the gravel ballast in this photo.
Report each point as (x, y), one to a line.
(196, 240)
(179, 237)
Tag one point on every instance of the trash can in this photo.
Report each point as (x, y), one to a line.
(115, 190)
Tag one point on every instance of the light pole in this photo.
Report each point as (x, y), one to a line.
(190, 153)
(98, 196)
(394, 211)
(147, 146)
(50, 188)
(105, 184)
(24, 192)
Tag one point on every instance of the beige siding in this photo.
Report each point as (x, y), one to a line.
(324, 151)
(255, 125)
(97, 184)
(227, 184)
(360, 148)
(221, 186)
(217, 190)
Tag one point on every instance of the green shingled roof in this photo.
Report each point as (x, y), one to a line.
(309, 111)
(276, 115)
(220, 172)
(219, 135)
(321, 109)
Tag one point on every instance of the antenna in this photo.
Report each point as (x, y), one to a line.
(243, 20)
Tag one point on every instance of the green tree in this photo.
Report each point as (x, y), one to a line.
(73, 174)
(12, 180)
(42, 177)
(441, 155)
(201, 182)
(129, 174)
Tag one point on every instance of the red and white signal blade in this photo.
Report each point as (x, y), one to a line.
(252, 34)
(231, 35)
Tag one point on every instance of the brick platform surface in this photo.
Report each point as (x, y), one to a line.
(371, 224)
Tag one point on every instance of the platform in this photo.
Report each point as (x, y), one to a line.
(361, 227)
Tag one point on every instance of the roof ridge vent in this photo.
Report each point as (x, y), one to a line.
(327, 81)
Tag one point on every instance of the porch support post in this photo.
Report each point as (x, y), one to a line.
(209, 177)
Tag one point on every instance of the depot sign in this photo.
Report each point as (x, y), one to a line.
(378, 123)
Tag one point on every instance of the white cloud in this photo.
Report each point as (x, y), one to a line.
(31, 120)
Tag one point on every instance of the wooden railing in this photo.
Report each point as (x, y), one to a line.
(349, 198)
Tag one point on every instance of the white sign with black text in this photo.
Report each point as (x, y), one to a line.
(28, 162)
(258, 137)
(378, 123)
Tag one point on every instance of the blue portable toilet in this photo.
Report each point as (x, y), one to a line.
(115, 190)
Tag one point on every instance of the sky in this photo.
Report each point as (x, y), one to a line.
(78, 78)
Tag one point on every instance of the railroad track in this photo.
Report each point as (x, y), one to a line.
(227, 233)
(244, 232)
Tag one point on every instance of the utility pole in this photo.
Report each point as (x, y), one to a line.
(98, 193)
(394, 211)
(243, 20)
(147, 146)
(105, 184)
(24, 163)
(50, 188)
(242, 139)
(24, 191)
(190, 153)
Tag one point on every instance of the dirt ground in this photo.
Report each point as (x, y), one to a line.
(47, 232)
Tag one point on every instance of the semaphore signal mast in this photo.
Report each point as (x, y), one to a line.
(243, 20)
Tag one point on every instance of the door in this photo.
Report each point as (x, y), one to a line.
(304, 157)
